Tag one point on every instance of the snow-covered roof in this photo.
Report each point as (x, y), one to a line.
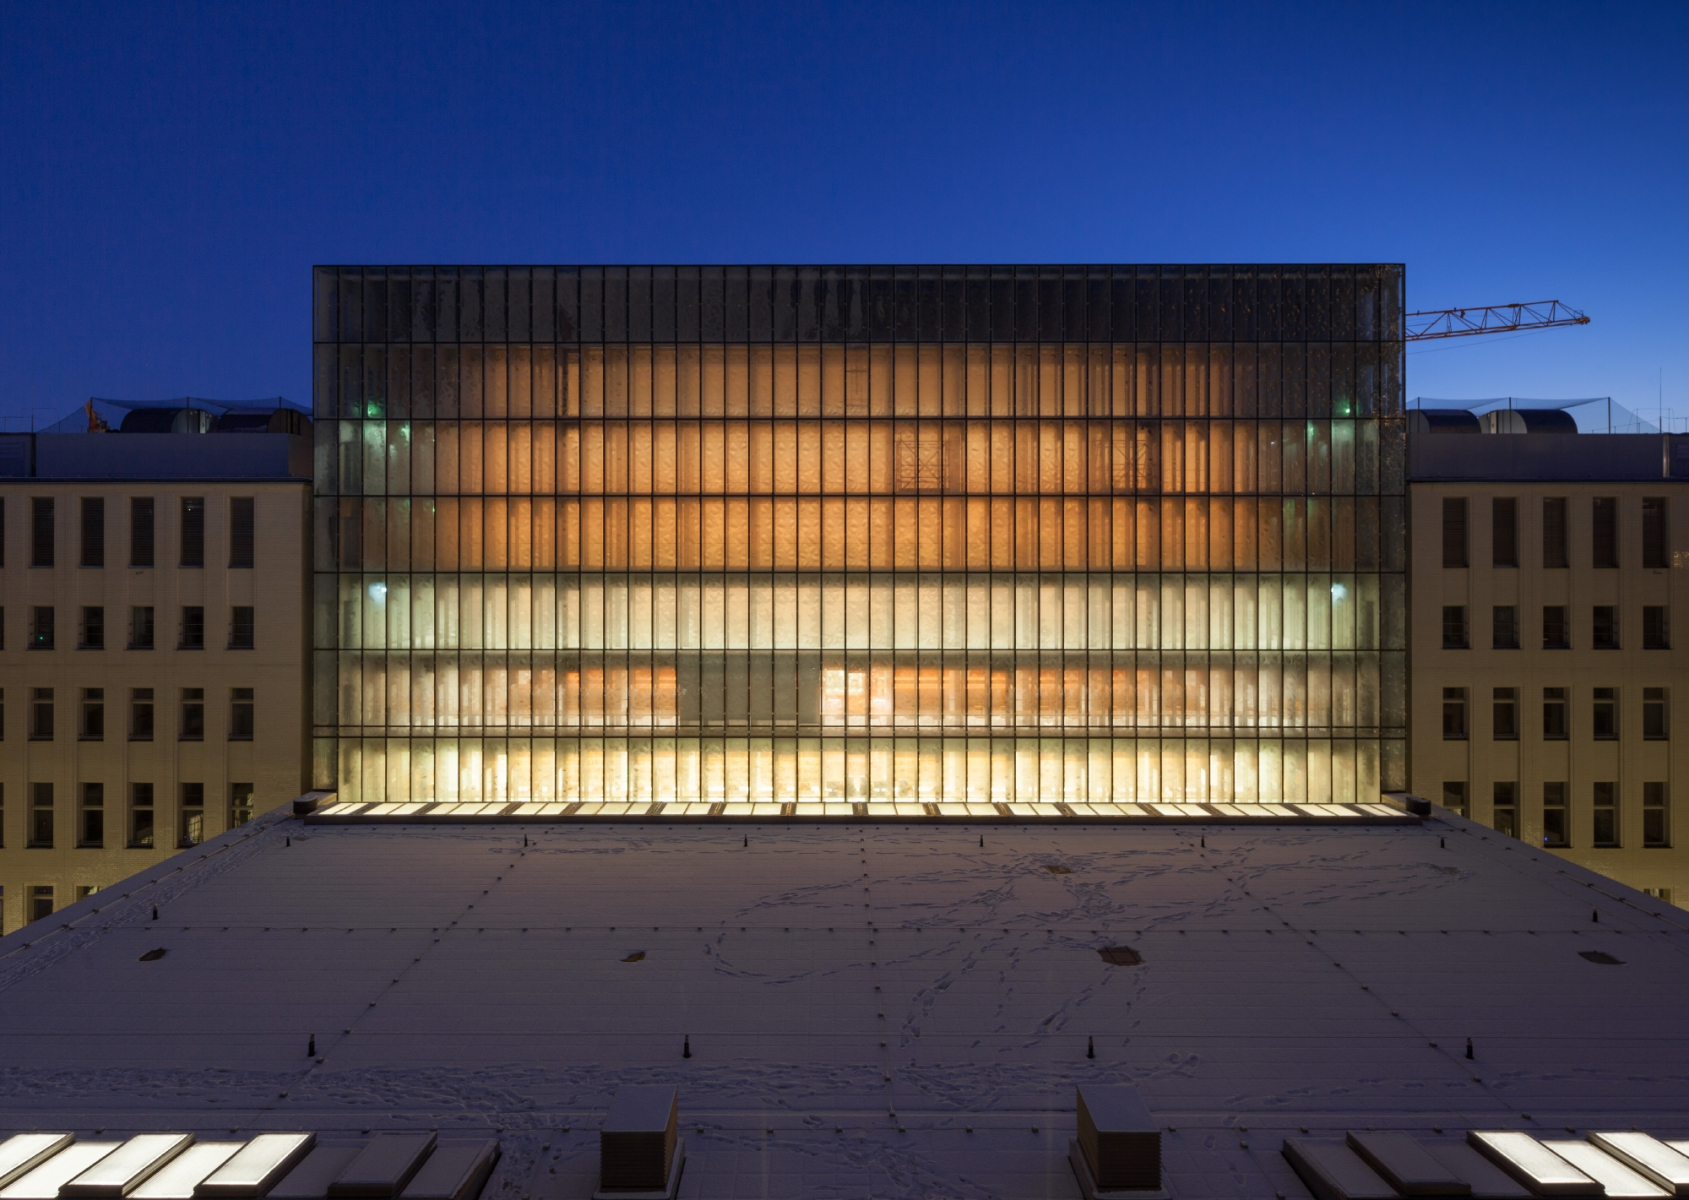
(886, 1010)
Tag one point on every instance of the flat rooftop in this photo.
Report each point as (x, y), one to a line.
(872, 1009)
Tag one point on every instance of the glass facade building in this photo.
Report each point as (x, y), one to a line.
(1090, 534)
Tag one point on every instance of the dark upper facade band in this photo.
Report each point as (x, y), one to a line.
(1337, 302)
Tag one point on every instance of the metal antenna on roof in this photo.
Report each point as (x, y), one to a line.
(1090, 1047)
(155, 912)
(290, 839)
(311, 1047)
(1595, 915)
(1205, 841)
(1469, 1053)
(1442, 844)
(524, 841)
(747, 841)
(982, 841)
(686, 1047)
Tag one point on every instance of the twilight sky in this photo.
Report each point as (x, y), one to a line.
(170, 172)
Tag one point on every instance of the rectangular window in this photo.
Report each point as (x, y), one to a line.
(41, 627)
(1655, 634)
(240, 627)
(1556, 629)
(41, 715)
(1656, 820)
(1605, 726)
(1555, 827)
(1454, 714)
(1504, 627)
(1505, 807)
(1454, 531)
(240, 804)
(1505, 705)
(140, 816)
(1554, 540)
(1454, 627)
(93, 532)
(1604, 532)
(41, 531)
(1606, 803)
(240, 714)
(93, 715)
(140, 531)
(40, 902)
(241, 532)
(1604, 627)
(1504, 531)
(1454, 797)
(193, 627)
(93, 627)
(193, 715)
(1554, 725)
(192, 830)
(140, 714)
(193, 532)
(140, 627)
(41, 815)
(1655, 725)
(91, 833)
(1654, 531)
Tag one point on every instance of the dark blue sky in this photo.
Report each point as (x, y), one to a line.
(169, 172)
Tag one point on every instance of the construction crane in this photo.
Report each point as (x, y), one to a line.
(1497, 318)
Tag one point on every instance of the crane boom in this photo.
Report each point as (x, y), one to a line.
(1497, 318)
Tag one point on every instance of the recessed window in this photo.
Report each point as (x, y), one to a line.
(241, 531)
(1555, 826)
(240, 715)
(1504, 627)
(1556, 630)
(192, 831)
(1454, 797)
(1504, 531)
(240, 804)
(41, 714)
(40, 901)
(193, 532)
(1454, 714)
(1604, 627)
(93, 627)
(1655, 634)
(1656, 823)
(140, 714)
(193, 715)
(1505, 710)
(1454, 531)
(141, 627)
(1605, 723)
(91, 831)
(1605, 800)
(1554, 548)
(41, 815)
(140, 816)
(1555, 727)
(1505, 808)
(41, 531)
(1654, 532)
(41, 627)
(93, 532)
(93, 715)
(1454, 627)
(1656, 725)
(140, 531)
(193, 627)
(1604, 533)
(241, 633)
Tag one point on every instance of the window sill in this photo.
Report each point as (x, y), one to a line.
(100, 647)
(86, 738)
(38, 845)
(90, 845)
(190, 739)
(190, 647)
(38, 739)
(37, 647)
(241, 739)
(140, 647)
(139, 846)
(140, 739)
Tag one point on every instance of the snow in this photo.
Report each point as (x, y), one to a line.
(886, 1010)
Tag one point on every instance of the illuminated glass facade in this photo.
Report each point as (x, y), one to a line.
(1051, 534)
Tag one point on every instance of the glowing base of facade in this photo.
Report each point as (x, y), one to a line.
(427, 813)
